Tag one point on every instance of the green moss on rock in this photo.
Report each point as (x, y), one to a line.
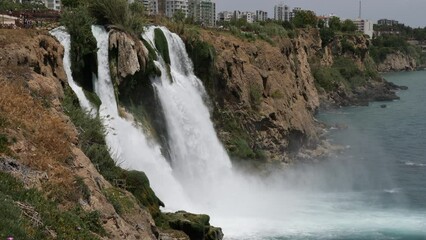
(196, 226)
(161, 44)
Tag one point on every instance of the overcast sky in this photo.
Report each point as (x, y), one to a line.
(409, 12)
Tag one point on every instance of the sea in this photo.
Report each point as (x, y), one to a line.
(375, 188)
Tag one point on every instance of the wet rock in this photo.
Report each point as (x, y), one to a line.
(196, 226)
(131, 53)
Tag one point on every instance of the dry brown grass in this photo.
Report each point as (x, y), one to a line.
(44, 136)
(10, 36)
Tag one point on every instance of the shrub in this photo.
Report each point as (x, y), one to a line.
(327, 36)
(327, 78)
(119, 13)
(4, 142)
(241, 149)
(255, 97)
(78, 23)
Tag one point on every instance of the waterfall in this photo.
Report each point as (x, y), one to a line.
(198, 157)
(65, 39)
(307, 202)
(128, 144)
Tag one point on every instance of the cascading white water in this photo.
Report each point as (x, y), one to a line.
(65, 39)
(127, 142)
(198, 157)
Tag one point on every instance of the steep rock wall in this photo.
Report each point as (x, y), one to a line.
(267, 92)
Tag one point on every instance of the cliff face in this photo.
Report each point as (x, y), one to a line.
(265, 91)
(265, 95)
(396, 62)
(42, 145)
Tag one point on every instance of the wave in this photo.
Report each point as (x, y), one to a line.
(392, 191)
(414, 164)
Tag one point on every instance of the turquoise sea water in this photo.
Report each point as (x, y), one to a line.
(374, 189)
(386, 162)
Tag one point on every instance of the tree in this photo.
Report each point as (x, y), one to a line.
(335, 24)
(71, 3)
(304, 19)
(179, 16)
(349, 26)
(327, 36)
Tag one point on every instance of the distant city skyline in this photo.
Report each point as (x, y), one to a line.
(408, 12)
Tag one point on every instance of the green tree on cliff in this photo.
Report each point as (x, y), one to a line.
(335, 24)
(349, 26)
(304, 19)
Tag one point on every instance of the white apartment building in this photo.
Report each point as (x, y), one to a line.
(294, 12)
(225, 16)
(173, 6)
(249, 16)
(53, 4)
(151, 6)
(261, 16)
(365, 26)
(282, 12)
(202, 12)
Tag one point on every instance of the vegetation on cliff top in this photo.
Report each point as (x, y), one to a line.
(388, 44)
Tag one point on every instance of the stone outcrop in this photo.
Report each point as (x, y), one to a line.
(396, 62)
(132, 55)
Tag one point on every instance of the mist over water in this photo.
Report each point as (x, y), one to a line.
(359, 194)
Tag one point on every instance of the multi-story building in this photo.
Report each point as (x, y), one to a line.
(282, 12)
(53, 4)
(364, 26)
(250, 17)
(161, 6)
(261, 16)
(203, 12)
(387, 22)
(151, 7)
(237, 15)
(171, 7)
(293, 13)
(225, 16)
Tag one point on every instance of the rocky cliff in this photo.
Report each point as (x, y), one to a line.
(265, 96)
(395, 62)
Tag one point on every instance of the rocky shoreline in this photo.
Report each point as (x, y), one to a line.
(371, 92)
